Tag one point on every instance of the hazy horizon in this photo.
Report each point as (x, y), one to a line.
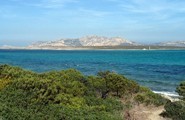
(25, 22)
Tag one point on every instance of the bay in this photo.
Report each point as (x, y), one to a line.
(160, 70)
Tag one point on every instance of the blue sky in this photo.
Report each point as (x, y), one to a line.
(23, 22)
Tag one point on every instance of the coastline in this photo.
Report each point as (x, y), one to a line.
(172, 96)
(98, 48)
(98, 60)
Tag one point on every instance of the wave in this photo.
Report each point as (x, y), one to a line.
(171, 94)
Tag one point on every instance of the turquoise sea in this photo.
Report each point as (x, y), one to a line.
(161, 70)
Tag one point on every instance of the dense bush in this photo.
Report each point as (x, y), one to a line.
(53, 95)
(175, 110)
(181, 89)
(107, 83)
(66, 95)
(4, 83)
(147, 97)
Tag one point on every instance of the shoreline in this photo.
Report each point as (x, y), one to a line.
(79, 49)
(141, 47)
(169, 95)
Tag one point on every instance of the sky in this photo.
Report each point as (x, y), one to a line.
(23, 22)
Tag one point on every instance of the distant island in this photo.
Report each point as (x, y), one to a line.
(98, 42)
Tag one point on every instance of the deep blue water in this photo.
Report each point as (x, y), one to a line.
(161, 70)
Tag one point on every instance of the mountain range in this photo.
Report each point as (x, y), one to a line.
(87, 41)
(96, 42)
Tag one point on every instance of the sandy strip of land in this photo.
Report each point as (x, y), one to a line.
(142, 112)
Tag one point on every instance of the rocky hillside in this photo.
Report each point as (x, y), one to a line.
(104, 41)
(85, 41)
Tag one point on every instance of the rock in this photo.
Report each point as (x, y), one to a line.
(85, 41)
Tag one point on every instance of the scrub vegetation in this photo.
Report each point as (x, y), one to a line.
(69, 95)
(176, 110)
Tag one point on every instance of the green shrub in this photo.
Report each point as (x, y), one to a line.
(4, 83)
(140, 98)
(12, 73)
(175, 110)
(181, 89)
(55, 95)
(143, 89)
(109, 83)
(110, 104)
(148, 97)
(67, 95)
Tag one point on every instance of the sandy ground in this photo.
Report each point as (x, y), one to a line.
(141, 112)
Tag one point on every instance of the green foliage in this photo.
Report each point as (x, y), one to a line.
(143, 89)
(175, 110)
(109, 104)
(9, 72)
(99, 85)
(120, 85)
(53, 95)
(181, 89)
(4, 83)
(66, 95)
(111, 83)
(148, 97)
